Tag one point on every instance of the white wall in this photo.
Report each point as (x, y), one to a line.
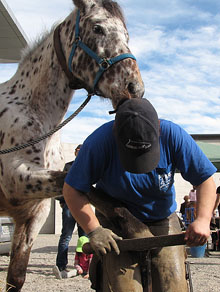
(53, 223)
(49, 227)
(183, 187)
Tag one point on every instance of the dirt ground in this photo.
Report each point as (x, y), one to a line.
(205, 271)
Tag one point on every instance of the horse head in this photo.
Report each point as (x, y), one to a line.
(97, 51)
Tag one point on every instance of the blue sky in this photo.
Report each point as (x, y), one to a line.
(177, 46)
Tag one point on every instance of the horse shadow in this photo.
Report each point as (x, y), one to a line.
(52, 249)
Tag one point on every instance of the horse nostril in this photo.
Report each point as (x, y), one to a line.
(131, 88)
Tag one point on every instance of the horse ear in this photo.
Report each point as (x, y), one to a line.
(85, 5)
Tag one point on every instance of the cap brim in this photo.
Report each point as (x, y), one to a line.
(139, 162)
(79, 249)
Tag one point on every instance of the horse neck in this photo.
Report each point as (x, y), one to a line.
(44, 85)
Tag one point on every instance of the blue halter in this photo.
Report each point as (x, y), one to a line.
(103, 63)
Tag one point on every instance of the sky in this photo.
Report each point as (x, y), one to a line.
(177, 47)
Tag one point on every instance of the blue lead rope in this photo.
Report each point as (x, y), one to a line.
(103, 63)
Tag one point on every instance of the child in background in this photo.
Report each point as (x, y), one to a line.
(82, 260)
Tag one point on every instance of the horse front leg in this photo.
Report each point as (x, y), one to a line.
(112, 214)
(117, 216)
(28, 182)
(28, 222)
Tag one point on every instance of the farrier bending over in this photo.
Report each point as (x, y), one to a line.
(134, 159)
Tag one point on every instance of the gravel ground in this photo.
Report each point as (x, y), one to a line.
(205, 271)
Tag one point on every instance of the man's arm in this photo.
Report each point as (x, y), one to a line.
(198, 232)
(102, 239)
(80, 208)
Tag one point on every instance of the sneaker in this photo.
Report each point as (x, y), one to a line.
(64, 274)
(71, 273)
(57, 272)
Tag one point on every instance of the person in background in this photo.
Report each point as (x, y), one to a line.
(217, 203)
(192, 195)
(215, 222)
(133, 159)
(82, 260)
(191, 210)
(184, 205)
(68, 225)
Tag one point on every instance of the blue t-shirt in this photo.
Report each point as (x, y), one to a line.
(149, 196)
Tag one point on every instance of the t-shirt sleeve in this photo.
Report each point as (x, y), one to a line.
(188, 157)
(91, 161)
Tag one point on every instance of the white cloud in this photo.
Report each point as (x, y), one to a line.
(7, 71)
(80, 128)
(180, 69)
(36, 17)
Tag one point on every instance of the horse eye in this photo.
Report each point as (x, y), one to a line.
(98, 29)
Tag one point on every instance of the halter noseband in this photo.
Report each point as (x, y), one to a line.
(104, 63)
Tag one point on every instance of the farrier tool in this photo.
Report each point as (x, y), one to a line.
(144, 243)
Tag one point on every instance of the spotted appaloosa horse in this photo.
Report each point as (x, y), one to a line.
(35, 100)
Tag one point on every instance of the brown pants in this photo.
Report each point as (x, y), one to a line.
(123, 273)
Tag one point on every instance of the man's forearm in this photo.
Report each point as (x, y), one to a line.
(206, 198)
(102, 240)
(198, 231)
(80, 208)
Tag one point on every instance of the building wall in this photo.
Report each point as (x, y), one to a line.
(49, 226)
(53, 223)
(183, 187)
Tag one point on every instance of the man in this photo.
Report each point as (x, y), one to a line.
(192, 195)
(68, 225)
(217, 203)
(184, 205)
(134, 159)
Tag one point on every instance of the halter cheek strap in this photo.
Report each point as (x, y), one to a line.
(104, 63)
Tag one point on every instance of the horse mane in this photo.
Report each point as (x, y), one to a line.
(114, 9)
(30, 48)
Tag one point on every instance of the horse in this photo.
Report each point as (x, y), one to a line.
(89, 50)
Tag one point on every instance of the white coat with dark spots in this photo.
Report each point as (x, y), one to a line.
(35, 100)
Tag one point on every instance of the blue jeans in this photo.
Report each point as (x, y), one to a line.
(68, 225)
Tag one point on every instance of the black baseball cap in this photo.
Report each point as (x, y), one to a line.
(136, 131)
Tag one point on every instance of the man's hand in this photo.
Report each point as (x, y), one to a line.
(197, 233)
(103, 240)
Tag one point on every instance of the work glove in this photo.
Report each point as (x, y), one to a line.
(103, 240)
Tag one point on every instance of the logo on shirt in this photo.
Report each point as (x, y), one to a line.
(165, 180)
